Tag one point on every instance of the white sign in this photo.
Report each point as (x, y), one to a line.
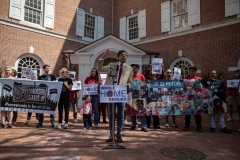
(76, 85)
(177, 73)
(26, 72)
(157, 65)
(33, 74)
(103, 77)
(233, 83)
(72, 73)
(90, 89)
(113, 93)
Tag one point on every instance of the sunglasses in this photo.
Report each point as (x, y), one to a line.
(64, 72)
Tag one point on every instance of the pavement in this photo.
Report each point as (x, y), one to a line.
(28, 142)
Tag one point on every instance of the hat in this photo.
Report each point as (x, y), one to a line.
(193, 67)
(136, 65)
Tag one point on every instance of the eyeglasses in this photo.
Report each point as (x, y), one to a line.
(124, 55)
(64, 72)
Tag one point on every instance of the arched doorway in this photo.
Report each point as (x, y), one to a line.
(28, 61)
(183, 63)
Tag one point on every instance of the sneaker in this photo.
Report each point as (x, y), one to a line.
(84, 128)
(39, 125)
(225, 130)
(158, 127)
(133, 128)
(144, 129)
(212, 129)
(90, 128)
(75, 120)
(125, 122)
(2, 126)
(167, 125)
(27, 122)
(9, 126)
(186, 128)
(95, 126)
(229, 119)
(199, 128)
(174, 125)
(59, 126)
(52, 123)
(65, 126)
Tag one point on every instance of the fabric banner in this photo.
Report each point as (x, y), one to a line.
(177, 97)
(29, 95)
(113, 93)
(90, 89)
(76, 86)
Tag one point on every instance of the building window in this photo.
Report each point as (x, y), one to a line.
(33, 11)
(183, 64)
(27, 62)
(180, 13)
(133, 27)
(89, 27)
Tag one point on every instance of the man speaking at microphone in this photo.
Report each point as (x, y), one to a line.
(121, 74)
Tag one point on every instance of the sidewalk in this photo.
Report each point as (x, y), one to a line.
(28, 142)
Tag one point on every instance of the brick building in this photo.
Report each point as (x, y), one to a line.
(75, 33)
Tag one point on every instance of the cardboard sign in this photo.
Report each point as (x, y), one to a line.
(90, 89)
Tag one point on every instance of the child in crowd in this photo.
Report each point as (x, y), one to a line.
(219, 110)
(86, 111)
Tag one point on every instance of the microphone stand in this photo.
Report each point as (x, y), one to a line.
(113, 144)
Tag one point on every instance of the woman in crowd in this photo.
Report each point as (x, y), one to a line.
(94, 78)
(64, 100)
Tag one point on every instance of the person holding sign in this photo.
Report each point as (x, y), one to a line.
(94, 78)
(118, 73)
(137, 80)
(233, 97)
(193, 75)
(46, 77)
(8, 74)
(64, 100)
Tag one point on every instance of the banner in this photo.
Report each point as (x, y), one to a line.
(76, 85)
(113, 93)
(29, 95)
(90, 89)
(157, 65)
(177, 97)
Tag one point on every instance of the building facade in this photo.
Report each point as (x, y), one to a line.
(75, 33)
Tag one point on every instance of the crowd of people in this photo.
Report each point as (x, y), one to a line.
(120, 73)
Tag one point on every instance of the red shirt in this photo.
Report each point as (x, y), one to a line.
(138, 77)
(195, 77)
(90, 80)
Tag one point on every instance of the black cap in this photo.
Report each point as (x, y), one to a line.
(136, 65)
(193, 67)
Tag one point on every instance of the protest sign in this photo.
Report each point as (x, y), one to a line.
(76, 85)
(26, 72)
(103, 77)
(157, 65)
(90, 89)
(233, 83)
(177, 73)
(72, 73)
(29, 95)
(113, 93)
(176, 97)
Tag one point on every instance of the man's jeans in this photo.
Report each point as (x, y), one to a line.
(142, 119)
(120, 112)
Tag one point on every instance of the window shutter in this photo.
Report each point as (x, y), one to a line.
(100, 28)
(142, 23)
(193, 12)
(80, 22)
(123, 28)
(16, 9)
(232, 7)
(49, 13)
(165, 16)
